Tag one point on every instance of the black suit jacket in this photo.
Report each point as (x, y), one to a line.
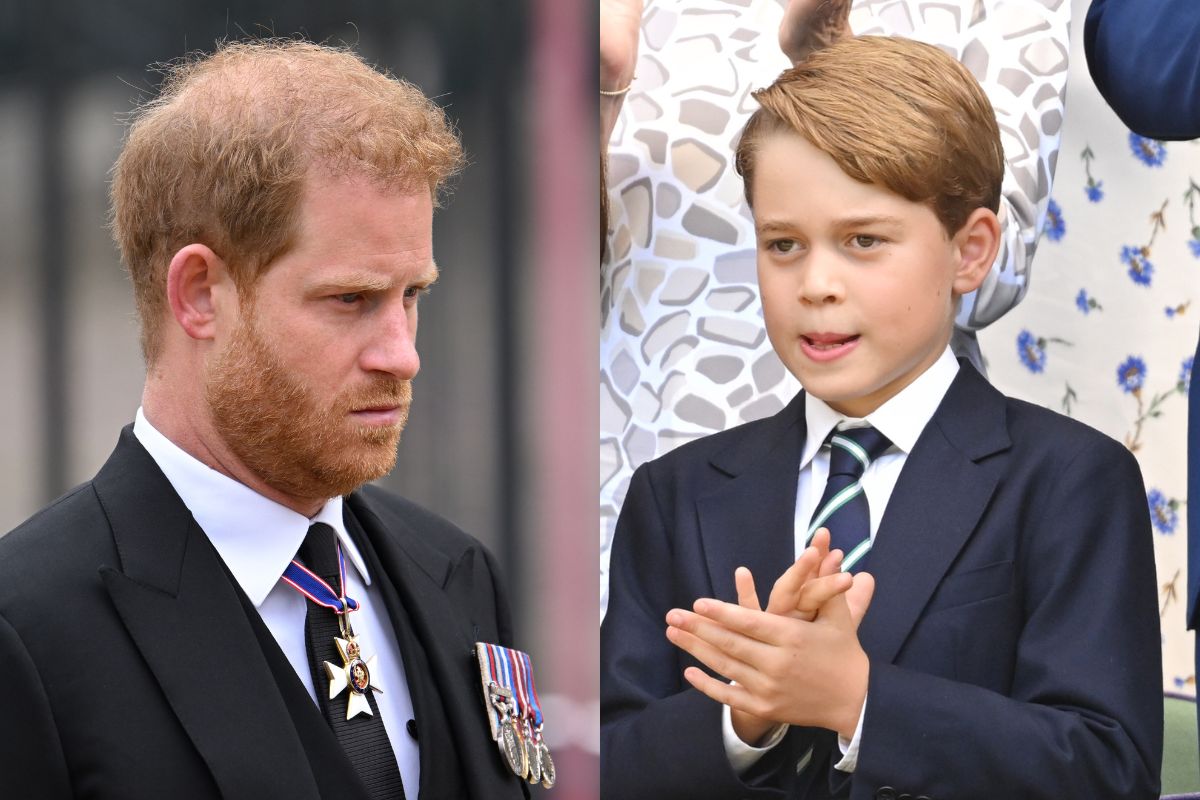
(132, 666)
(1013, 636)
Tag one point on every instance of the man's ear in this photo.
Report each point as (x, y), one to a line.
(975, 246)
(196, 279)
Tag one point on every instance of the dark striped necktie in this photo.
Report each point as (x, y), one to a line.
(363, 737)
(843, 508)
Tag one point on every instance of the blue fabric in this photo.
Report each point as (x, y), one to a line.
(1144, 58)
(850, 524)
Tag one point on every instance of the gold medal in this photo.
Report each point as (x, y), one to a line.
(355, 674)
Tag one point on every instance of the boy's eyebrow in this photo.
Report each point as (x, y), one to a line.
(869, 219)
(772, 226)
(768, 226)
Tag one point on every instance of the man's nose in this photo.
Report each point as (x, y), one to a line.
(393, 345)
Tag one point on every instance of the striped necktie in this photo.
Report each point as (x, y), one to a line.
(843, 507)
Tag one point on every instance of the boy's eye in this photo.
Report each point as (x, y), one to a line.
(782, 245)
(865, 241)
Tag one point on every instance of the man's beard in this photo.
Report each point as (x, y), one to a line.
(279, 429)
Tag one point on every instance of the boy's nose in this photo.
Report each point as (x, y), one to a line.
(819, 279)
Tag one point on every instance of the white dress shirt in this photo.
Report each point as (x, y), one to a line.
(257, 538)
(901, 419)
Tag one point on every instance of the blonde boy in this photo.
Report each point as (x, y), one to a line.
(998, 638)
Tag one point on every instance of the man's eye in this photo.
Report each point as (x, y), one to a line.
(349, 298)
(413, 292)
(865, 241)
(782, 245)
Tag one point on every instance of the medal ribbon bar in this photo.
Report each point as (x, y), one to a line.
(303, 580)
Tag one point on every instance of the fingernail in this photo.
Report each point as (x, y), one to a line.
(675, 617)
(701, 606)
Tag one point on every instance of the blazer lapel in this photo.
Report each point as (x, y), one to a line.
(750, 521)
(183, 613)
(941, 494)
(419, 574)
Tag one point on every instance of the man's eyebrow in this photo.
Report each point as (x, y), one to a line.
(366, 281)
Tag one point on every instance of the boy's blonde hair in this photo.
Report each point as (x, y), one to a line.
(892, 112)
(219, 158)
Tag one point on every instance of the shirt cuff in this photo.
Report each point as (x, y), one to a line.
(741, 755)
(850, 748)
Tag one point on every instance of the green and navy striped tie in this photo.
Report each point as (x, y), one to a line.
(843, 507)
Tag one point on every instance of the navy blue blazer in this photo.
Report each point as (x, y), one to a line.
(1144, 56)
(1013, 636)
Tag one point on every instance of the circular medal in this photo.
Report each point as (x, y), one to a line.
(547, 765)
(511, 748)
(533, 759)
(360, 677)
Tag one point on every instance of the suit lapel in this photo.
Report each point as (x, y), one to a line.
(419, 573)
(183, 613)
(943, 489)
(750, 520)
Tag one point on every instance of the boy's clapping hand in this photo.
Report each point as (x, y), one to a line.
(797, 662)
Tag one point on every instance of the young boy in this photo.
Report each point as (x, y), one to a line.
(1011, 647)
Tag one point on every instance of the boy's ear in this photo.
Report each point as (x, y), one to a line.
(975, 246)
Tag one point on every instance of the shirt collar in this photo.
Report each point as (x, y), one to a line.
(255, 536)
(901, 419)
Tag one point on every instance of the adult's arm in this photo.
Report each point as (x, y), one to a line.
(31, 757)
(1144, 56)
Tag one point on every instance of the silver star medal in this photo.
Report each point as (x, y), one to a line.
(355, 673)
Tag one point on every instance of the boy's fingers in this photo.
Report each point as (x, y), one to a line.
(732, 695)
(786, 591)
(747, 594)
(819, 591)
(830, 564)
(720, 637)
(820, 541)
(712, 657)
(756, 626)
(858, 597)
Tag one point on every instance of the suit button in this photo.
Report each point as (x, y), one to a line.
(905, 796)
(886, 793)
(924, 797)
(411, 727)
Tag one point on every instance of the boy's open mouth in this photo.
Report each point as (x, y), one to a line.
(828, 341)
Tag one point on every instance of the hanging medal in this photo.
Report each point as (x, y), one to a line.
(499, 699)
(515, 711)
(536, 722)
(355, 673)
(524, 705)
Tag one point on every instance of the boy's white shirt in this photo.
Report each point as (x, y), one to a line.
(901, 419)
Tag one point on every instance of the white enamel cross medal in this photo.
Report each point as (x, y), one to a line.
(355, 673)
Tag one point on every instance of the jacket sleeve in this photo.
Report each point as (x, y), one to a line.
(1083, 716)
(1145, 61)
(659, 738)
(31, 756)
